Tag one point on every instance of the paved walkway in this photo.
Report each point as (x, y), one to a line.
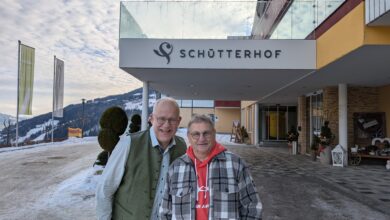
(294, 187)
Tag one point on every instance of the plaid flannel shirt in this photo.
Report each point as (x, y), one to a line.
(232, 191)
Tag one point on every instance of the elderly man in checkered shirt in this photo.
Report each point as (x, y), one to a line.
(209, 182)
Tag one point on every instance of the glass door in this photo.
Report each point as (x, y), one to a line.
(275, 121)
(315, 119)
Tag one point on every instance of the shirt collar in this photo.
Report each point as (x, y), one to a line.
(154, 140)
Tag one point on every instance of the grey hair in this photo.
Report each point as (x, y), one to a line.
(169, 100)
(201, 119)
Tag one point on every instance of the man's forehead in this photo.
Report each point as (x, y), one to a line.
(201, 126)
(165, 106)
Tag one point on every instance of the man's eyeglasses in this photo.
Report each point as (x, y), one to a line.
(171, 121)
(206, 135)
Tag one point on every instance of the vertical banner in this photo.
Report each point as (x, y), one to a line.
(26, 79)
(58, 90)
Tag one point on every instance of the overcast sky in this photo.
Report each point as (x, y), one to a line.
(82, 33)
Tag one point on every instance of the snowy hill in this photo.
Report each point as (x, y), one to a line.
(5, 118)
(37, 129)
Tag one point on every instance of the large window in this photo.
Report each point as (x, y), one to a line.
(195, 103)
(317, 113)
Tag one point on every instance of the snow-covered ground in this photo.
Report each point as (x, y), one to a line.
(77, 191)
(70, 141)
(45, 181)
(84, 183)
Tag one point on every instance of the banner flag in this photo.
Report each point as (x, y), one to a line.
(26, 79)
(58, 83)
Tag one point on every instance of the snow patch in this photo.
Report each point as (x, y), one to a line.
(69, 141)
(38, 128)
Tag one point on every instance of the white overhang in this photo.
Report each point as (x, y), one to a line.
(217, 69)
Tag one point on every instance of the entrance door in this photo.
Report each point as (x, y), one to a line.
(275, 122)
(315, 119)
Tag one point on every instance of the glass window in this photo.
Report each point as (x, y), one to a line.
(186, 103)
(203, 103)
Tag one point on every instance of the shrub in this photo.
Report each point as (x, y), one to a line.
(292, 134)
(108, 139)
(326, 134)
(114, 118)
(135, 124)
(102, 158)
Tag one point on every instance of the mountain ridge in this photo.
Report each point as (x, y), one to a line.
(37, 129)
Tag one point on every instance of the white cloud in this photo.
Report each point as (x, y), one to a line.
(82, 33)
(85, 35)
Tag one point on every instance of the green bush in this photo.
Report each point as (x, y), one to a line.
(136, 119)
(114, 118)
(292, 134)
(135, 124)
(102, 158)
(108, 139)
(326, 134)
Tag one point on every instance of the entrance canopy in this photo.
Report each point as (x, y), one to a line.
(217, 69)
(206, 50)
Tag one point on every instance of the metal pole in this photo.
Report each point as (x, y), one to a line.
(256, 125)
(145, 106)
(343, 118)
(17, 98)
(52, 113)
(82, 126)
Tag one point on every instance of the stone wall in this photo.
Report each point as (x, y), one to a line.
(331, 110)
(360, 99)
(303, 141)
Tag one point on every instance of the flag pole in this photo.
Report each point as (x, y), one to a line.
(52, 113)
(17, 97)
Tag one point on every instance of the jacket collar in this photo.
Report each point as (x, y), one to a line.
(221, 156)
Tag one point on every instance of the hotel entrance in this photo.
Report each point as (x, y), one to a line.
(314, 109)
(275, 121)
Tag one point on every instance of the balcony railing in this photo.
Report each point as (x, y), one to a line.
(222, 19)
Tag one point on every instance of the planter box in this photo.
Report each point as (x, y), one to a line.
(326, 156)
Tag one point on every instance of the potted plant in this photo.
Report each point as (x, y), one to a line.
(292, 138)
(326, 138)
(314, 147)
(245, 135)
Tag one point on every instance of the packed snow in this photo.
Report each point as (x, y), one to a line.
(78, 190)
(69, 141)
